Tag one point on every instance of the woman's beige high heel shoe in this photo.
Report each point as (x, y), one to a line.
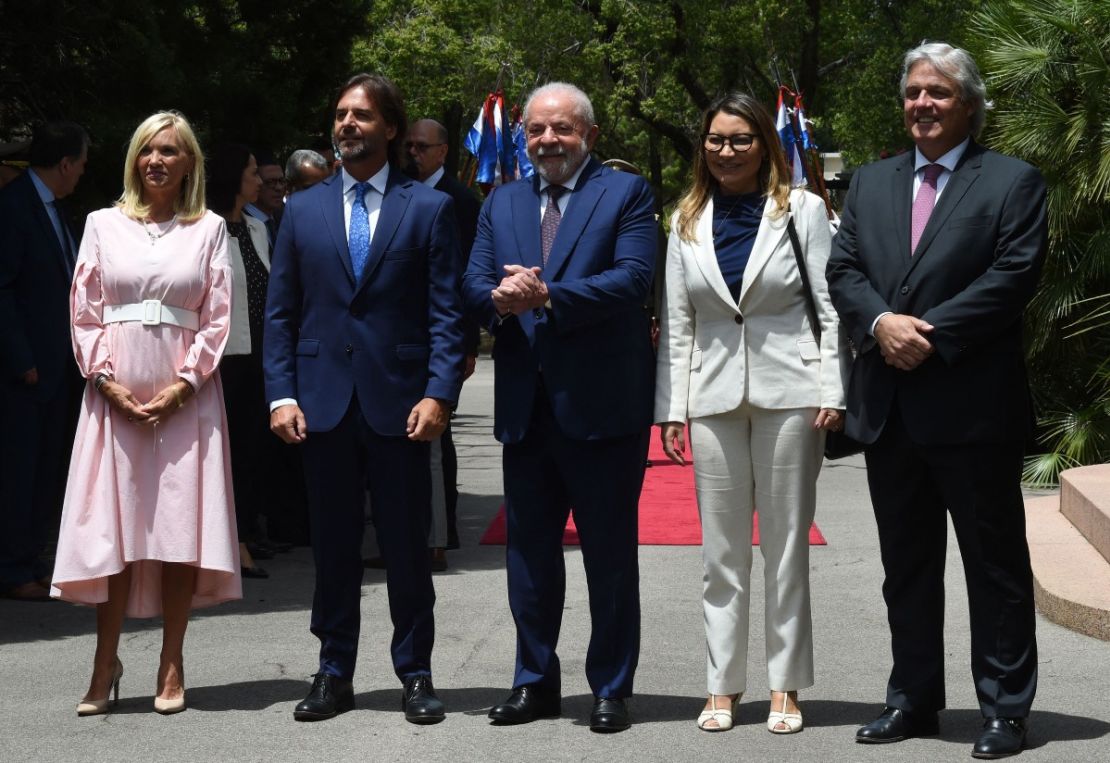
(722, 716)
(100, 706)
(171, 706)
(792, 721)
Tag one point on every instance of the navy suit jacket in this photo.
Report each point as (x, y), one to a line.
(395, 336)
(974, 270)
(467, 207)
(593, 345)
(35, 277)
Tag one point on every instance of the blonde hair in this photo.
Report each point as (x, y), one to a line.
(774, 174)
(189, 204)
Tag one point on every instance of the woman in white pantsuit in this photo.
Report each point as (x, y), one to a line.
(738, 358)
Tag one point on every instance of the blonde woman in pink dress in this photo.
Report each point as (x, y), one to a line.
(148, 525)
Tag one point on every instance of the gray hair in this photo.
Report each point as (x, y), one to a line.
(583, 109)
(303, 157)
(958, 65)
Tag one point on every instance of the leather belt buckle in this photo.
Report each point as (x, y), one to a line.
(152, 312)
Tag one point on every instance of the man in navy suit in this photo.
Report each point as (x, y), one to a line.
(559, 273)
(40, 384)
(938, 253)
(363, 363)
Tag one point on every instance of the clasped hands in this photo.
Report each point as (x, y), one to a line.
(160, 407)
(426, 421)
(520, 290)
(903, 340)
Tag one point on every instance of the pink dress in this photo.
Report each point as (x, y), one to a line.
(143, 495)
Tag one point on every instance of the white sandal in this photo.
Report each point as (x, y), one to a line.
(721, 715)
(792, 721)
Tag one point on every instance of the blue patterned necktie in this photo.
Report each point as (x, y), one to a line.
(358, 238)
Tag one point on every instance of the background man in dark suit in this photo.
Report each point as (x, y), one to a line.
(573, 395)
(938, 253)
(38, 398)
(426, 146)
(363, 362)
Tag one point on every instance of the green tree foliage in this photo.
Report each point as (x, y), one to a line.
(256, 71)
(1048, 64)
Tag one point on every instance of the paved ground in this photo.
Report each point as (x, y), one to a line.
(248, 663)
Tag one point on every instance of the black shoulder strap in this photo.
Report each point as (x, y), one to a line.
(811, 306)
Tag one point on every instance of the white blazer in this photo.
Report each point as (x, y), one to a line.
(715, 353)
(239, 338)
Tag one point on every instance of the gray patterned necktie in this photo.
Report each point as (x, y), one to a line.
(551, 219)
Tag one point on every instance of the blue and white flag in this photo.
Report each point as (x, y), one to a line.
(789, 142)
(491, 143)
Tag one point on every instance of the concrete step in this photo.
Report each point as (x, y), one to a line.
(1085, 501)
(1071, 578)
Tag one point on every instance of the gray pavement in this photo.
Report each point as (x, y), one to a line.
(248, 663)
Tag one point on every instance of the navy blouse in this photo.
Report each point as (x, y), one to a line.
(735, 223)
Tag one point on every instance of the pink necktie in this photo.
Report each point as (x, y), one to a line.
(923, 204)
(551, 219)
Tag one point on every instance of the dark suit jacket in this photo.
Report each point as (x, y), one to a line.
(467, 207)
(35, 276)
(593, 345)
(394, 336)
(974, 270)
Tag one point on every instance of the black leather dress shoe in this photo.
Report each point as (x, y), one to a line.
(329, 696)
(1001, 737)
(526, 704)
(894, 725)
(609, 716)
(419, 701)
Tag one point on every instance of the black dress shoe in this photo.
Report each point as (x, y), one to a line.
(259, 551)
(1001, 737)
(419, 701)
(609, 715)
(894, 725)
(254, 572)
(526, 704)
(329, 696)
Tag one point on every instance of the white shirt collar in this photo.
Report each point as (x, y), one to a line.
(571, 182)
(45, 193)
(948, 161)
(255, 212)
(432, 179)
(378, 180)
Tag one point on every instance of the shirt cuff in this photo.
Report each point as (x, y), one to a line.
(282, 401)
(875, 322)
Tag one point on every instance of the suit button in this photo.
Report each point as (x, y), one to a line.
(537, 313)
(739, 319)
(905, 290)
(349, 349)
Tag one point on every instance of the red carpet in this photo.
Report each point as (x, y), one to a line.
(668, 508)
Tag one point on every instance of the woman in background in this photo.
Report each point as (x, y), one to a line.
(147, 525)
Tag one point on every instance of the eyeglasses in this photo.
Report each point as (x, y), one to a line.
(739, 143)
(562, 130)
(421, 147)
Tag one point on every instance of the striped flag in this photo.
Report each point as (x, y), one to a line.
(491, 142)
(787, 136)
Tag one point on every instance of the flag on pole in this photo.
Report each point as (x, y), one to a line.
(789, 142)
(520, 146)
(491, 142)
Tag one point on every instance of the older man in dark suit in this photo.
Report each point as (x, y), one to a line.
(937, 256)
(559, 272)
(38, 404)
(426, 146)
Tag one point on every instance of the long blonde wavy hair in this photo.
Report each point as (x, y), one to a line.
(189, 205)
(774, 173)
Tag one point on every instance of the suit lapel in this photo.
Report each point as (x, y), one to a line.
(902, 199)
(526, 223)
(580, 207)
(767, 239)
(961, 180)
(705, 255)
(331, 206)
(394, 204)
(38, 209)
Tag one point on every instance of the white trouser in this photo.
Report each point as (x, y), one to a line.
(766, 459)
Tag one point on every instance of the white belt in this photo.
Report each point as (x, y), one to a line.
(151, 312)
